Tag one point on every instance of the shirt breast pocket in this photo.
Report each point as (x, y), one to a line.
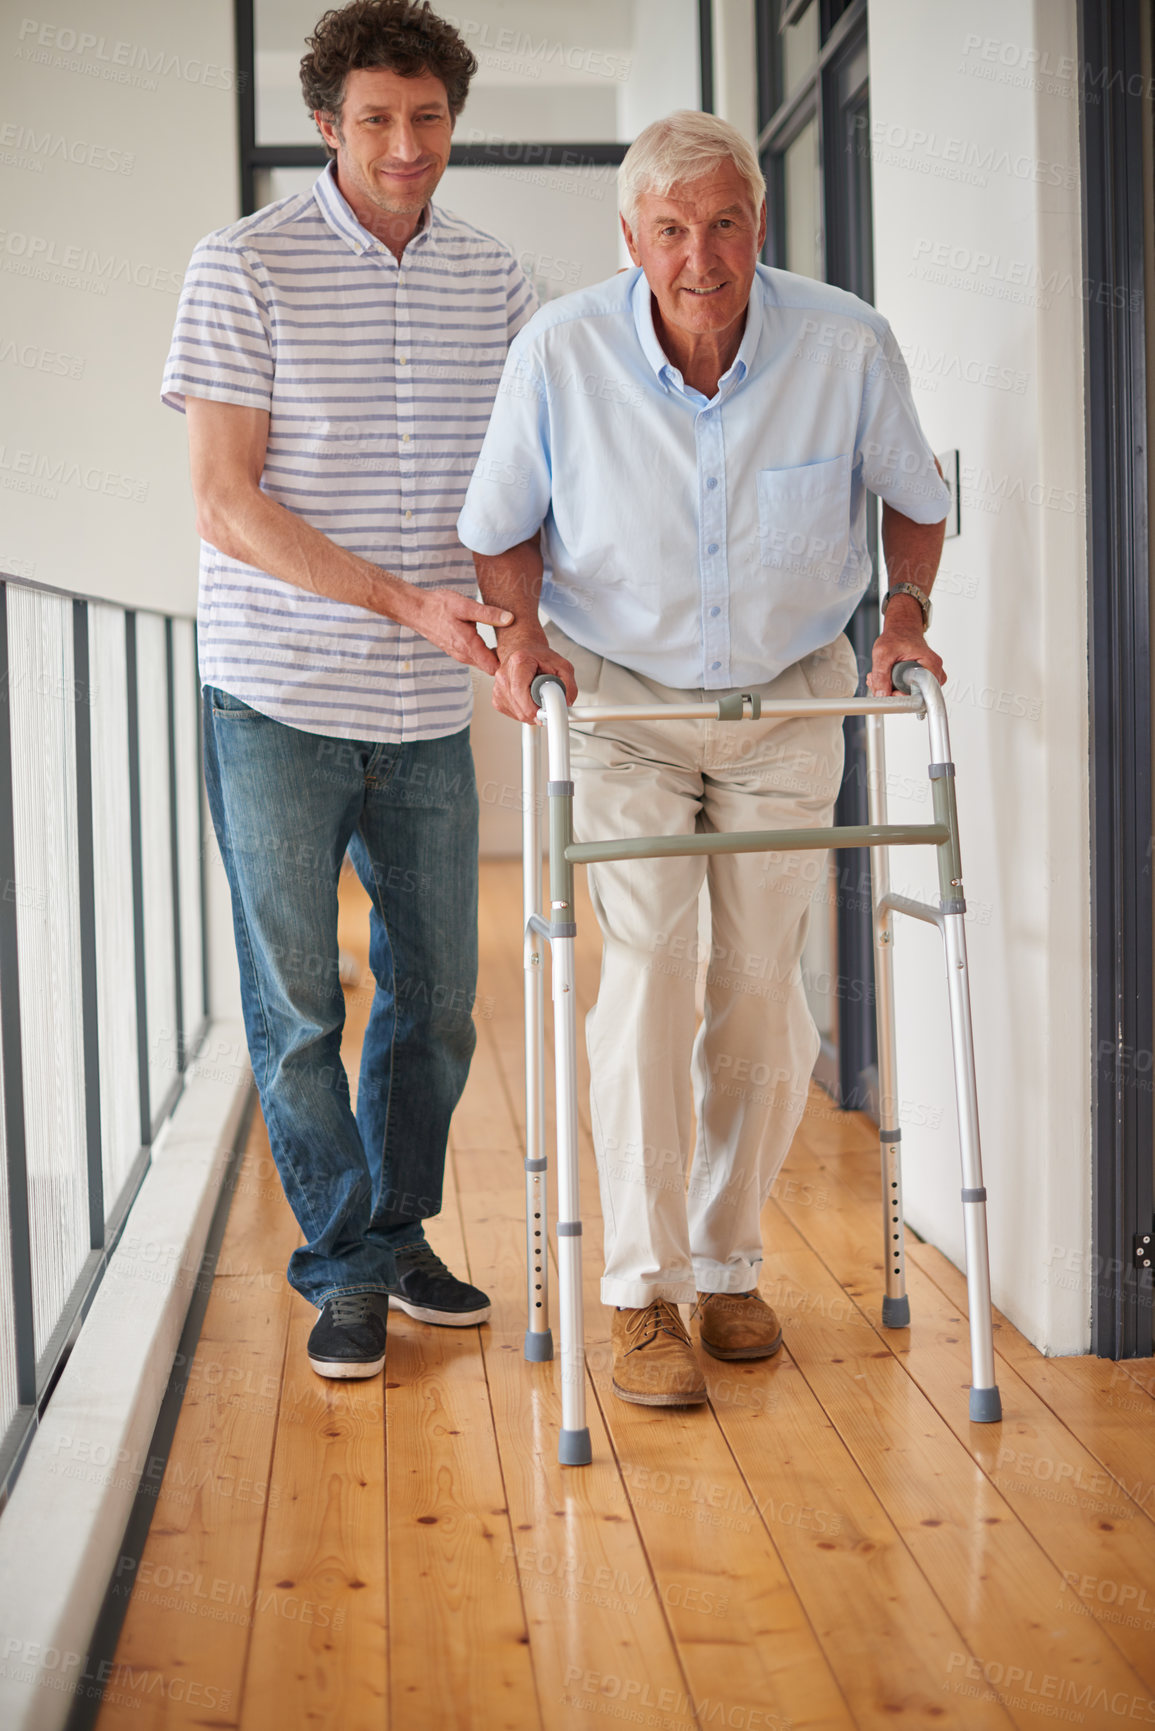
(804, 519)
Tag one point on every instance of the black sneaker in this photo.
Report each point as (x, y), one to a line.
(348, 1338)
(425, 1290)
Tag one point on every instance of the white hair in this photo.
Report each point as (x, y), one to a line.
(684, 147)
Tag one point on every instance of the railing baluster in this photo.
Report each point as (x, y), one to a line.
(174, 849)
(89, 1011)
(137, 877)
(12, 1046)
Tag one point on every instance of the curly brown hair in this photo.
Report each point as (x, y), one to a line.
(400, 35)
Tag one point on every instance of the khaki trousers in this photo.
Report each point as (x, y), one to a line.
(744, 1072)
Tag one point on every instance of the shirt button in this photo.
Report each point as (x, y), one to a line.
(402, 360)
(713, 481)
(713, 547)
(714, 612)
(714, 666)
(408, 514)
(405, 438)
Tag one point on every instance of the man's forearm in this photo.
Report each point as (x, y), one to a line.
(513, 580)
(911, 550)
(249, 526)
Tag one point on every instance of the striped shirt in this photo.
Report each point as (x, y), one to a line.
(378, 376)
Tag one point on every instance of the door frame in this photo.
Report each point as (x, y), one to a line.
(1112, 104)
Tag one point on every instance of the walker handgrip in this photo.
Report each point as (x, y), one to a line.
(541, 679)
(898, 676)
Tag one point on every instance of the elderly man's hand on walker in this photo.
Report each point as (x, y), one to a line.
(523, 650)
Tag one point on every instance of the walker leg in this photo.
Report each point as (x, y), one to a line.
(895, 1302)
(538, 1334)
(985, 1402)
(574, 1439)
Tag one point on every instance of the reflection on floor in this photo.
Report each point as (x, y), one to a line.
(828, 1543)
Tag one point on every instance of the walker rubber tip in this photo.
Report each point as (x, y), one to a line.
(573, 1448)
(895, 1312)
(986, 1406)
(538, 1345)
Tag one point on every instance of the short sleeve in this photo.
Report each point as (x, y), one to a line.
(509, 493)
(222, 342)
(522, 301)
(897, 462)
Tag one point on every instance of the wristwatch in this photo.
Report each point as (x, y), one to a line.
(920, 596)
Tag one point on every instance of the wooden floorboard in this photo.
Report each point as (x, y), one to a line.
(184, 1644)
(585, 1578)
(317, 1655)
(976, 1547)
(1068, 1509)
(828, 1543)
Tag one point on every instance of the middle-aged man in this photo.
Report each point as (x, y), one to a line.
(698, 436)
(337, 355)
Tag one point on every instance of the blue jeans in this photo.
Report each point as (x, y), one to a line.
(286, 805)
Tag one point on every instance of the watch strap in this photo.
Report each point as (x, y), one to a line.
(920, 596)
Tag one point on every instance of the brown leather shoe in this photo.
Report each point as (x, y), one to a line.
(737, 1325)
(654, 1363)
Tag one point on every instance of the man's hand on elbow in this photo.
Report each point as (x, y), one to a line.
(523, 651)
(450, 621)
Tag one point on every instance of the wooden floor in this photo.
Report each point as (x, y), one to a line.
(828, 1544)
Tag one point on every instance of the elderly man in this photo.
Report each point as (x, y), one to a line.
(697, 437)
(337, 355)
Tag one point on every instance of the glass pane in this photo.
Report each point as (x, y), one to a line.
(574, 71)
(561, 222)
(799, 49)
(156, 848)
(7, 1306)
(186, 712)
(112, 860)
(859, 249)
(46, 891)
(274, 183)
(803, 183)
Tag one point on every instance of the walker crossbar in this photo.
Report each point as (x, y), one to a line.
(772, 709)
(757, 841)
(921, 696)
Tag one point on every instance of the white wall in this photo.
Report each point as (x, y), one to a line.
(117, 156)
(977, 262)
(117, 152)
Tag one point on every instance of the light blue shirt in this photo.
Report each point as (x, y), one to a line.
(704, 544)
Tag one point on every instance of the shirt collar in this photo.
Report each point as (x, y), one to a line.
(337, 213)
(642, 307)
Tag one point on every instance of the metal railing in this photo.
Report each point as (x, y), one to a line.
(103, 987)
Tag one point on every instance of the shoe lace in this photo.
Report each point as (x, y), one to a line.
(660, 1317)
(730, 1297)
(349, 1308)
(424, 1257)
